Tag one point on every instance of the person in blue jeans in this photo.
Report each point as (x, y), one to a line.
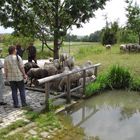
(15, 74)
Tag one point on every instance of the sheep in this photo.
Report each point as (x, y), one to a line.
(50, 67)
(108, 46)
(88, 80)
(57, 64)
(69, 62)
(29, 65)
(37, 73)
(123, 47)
(63, 57)
(89, 72)
(74, 78)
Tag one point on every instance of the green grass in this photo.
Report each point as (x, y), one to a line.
(98, 54)
(83, 51)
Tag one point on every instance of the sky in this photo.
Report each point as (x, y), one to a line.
(114, 9)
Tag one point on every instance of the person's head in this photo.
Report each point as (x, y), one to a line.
(12, 50)
(31, 44)
(18, 46)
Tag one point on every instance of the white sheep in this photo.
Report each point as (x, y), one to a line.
(89, 72)
(50, 67)
(108, 46)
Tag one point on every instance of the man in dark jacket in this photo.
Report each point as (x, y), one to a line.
(31, 53)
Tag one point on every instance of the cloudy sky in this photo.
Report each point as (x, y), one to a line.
(114, 9)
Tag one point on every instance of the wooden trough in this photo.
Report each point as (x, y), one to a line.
(47, 81)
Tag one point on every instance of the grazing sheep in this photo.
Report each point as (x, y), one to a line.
(29, 65)
(130, 47)
(123, 47)
(108, 46)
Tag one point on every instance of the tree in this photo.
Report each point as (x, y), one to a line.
(95, 37)
(109, 33)
(43, 18)
(133, 15)
(126, 35)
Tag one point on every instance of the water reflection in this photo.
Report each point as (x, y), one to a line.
(109, 120)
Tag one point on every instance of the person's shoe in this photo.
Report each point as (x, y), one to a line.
(3, 103)
(24, 105)
(16, 106)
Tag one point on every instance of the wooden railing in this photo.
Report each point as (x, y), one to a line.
(47, 81)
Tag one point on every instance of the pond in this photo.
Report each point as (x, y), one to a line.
(114, 115)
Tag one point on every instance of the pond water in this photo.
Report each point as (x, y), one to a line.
(114, 115)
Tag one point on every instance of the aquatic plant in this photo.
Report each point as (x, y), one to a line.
(119, 77)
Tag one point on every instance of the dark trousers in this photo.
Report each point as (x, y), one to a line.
(15, 85)
(30, 58)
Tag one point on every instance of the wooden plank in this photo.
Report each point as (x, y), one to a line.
(35, 89)
(74, 89)
(58, 96)
(68, 89)
(84, 81)
(47, 92)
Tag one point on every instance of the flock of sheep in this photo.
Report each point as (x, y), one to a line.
(62, 65)
(130, 48)
(126, 47)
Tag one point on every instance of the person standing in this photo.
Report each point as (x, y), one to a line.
(15, 74)
(1, 83)
(20, 50)
(31, 53)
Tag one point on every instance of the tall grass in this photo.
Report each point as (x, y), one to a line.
(117, 77)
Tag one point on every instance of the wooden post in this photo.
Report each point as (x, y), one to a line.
(84, 81)
(95, 71)
(68, 89)
(47, 92)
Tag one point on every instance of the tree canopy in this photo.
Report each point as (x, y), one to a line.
(43, 18)
(133, 15)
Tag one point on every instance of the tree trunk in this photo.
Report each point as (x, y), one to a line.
(56, 33)
(42, 46)
(139, 39)
(56, 48)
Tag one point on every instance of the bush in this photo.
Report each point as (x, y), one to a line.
(136, 84)
(100, 84)
(119, 77)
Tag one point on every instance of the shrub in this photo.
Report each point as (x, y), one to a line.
(100, 84)
(136, 84)
(119, 77)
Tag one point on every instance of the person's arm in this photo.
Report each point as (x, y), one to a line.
(23, 72)
(1, 64)
(21, 67)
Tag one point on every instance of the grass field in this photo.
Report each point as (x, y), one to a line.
(99, 54)
(83, 51)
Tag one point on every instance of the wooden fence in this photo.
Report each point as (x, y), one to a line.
(47, 81)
